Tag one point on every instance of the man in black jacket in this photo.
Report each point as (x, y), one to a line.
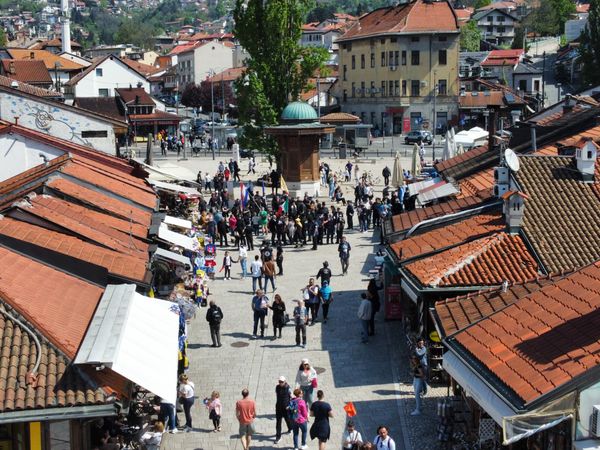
(214, 315)
(283, 395)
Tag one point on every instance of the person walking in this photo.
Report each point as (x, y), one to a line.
(227, 263)
(418, 383)
(386, 172)
(256, 272)
(326, 298)
(351, 439)
(279, 258)
(322, 412)
(186, 395)
(215, 410)
(306, 379)
(383, 440)
(243, 259)
(260, 306)
(301, 320)
(214, 315)
(350, 215)
(373, 296)
(344, 251)
(311, 296)
(364, 314)
(278, 308)
(283, 395)
(421, 352)
(299, 415)
(324, 273)
(245, 411)
(268, 270)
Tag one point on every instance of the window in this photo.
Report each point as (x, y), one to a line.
(102, 92)
(391, 58)
(442, 38)
(94, 134)
(372, 60)
(344, 72)
(490, 29)
(404, 88)
(391, 88)
(414, 88)
(345, 95)
(501, 29)
(403, 57)
(396, 88)
(353, 89)
(500, 18)
(363, 90)
(396, 57)
(442, 87)
(490, 19)
(415, 57)
(99, 72)
(353, 62)
(372, 117)
(536, 85)
(382, 41)
(362, 61)
(382, 59)
(393, 40)
(442, 57)
(373, 89)
(383, 88)
(523, 85)
(414, 39)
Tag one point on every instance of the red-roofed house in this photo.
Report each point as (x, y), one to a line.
(196, 62)
(325, 33)
(393, 59)
(30, 71)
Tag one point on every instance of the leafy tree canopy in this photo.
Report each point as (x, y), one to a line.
(278, 68)
(470, 37)
(589, 48)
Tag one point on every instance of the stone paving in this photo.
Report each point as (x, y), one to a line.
(374, 376)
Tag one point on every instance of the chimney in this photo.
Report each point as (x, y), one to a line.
(585, 157)
(514, 210)
(31, 55)
(568, 104)
(11, 68)
(533, 137)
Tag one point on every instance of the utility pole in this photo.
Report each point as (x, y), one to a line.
(212, 108)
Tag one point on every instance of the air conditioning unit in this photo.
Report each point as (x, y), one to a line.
(424, 83)
(392, 68)
(500, 190)
(595, 421)
(501, 175)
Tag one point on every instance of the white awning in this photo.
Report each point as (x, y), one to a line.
(415, 188)
(489, 401)
(137, 337)
(176, 221)
(172, 256)
(167, 171)
(176, 238)
(434, 192)
(172, 187)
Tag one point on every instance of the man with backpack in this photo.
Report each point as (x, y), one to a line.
(214, 315)
(324, 273)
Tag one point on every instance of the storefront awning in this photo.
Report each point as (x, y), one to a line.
(489, 401)
(129, 334)
(177, 238)
(168, 171)
(172, 187)
(172, 256)
(176, 221)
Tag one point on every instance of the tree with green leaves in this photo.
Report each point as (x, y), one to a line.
(481, 3)
(589, 47)
(2, 37)
(470, 37)
(278, 67)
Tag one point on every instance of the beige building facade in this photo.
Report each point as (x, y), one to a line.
(397, 62)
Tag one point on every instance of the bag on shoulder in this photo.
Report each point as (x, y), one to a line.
(286, 318)
(293, 410)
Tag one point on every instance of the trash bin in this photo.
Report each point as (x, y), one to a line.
(342, 152)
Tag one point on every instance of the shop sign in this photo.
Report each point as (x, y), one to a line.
(393, 302)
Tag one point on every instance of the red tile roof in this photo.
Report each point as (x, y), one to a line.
(477, 184)
(544, 340)
(144, 69)
(182, 48)
(461, 159)
(101, 201)
(116, 263)
(32, 71)
(464, 14)
(29, 89)
(414, 17)
(57, 304)
(503, 57)
(457, 313)
(137, 96)
(499, 5)
(156, 115)
(228, 75)
(49, 58)
(406, 220)
(484, 99)
(487, 261)
(56, 383)
(449, 235)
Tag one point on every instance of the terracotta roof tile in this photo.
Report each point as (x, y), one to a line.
(100, 201)
(416, 16)
(136, 96)
(486, 261)
(29, 89)
(537, 358)
(404, 221)
(477, 183)
(449, 235)
(562, 215)
(60, 306)
(49, 58)
(88, 227)
(32, 71)
(116, 263)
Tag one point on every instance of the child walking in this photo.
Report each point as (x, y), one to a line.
(215, 409)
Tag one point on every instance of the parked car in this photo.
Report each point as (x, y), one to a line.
(418, 136)
(246, 153)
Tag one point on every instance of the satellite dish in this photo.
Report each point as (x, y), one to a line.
(512, 160)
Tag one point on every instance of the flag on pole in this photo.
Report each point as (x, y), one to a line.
(350, 409)
(283, 185)
(286, 205)
(242, 194)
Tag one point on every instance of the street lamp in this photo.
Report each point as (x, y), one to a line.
(212, 114)
(435, 91)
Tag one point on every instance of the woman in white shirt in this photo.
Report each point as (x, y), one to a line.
(306, 379)
(186, 396)
(351, 439)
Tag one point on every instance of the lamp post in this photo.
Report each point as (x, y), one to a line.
(212, 114)
(435, 88)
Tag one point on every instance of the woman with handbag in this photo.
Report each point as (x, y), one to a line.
(278, 308)
(306, 379)
(186, 397)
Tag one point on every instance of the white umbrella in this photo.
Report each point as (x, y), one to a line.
(460, 150)
(397, 175)
(453, 147)
(416, 162)
(446, 152)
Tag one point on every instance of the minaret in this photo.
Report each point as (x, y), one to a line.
(66, 26)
